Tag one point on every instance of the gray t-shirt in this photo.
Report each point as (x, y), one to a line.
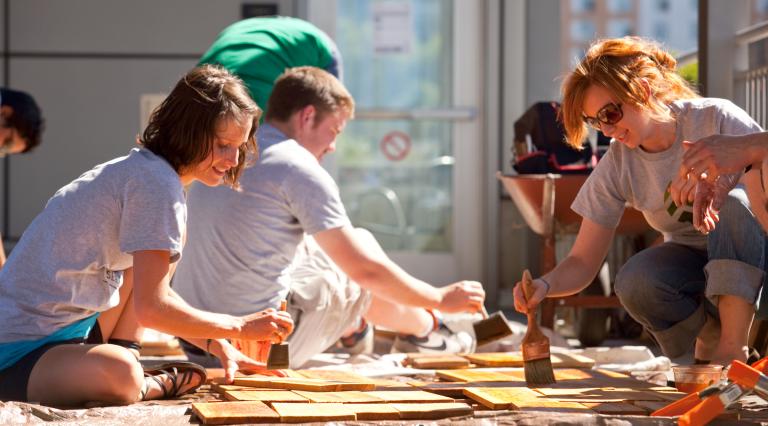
(641, 179)
(69, 263)
(242, 246)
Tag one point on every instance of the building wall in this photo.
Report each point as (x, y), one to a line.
(88, 63)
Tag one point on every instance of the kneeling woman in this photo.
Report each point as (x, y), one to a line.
(94, 267)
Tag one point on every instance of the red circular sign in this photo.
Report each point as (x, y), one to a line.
(395, 145)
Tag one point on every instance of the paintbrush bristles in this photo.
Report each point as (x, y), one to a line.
(539, 372)
(535, 345)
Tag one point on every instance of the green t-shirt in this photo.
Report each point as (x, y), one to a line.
(258, 50)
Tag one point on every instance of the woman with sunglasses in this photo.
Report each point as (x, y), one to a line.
(694, 289)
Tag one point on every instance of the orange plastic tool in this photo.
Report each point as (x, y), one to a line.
(685, 404)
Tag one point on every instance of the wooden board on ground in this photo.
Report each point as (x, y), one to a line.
(438, 361)
(515, 359)
(289, 383)
(348, 376)
(598, 395)
(473, 375)
(516, 375)
(294, 413)
(432, 411)
(351, 397)
(621, 408)
(409, 396)
(374, 411)
(651, 406)
(500, 398)
(223, 413)
(449, 389)
(264, 396)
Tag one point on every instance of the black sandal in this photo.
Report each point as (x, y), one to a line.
(180, 373)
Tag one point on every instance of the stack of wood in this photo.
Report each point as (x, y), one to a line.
(469, 386)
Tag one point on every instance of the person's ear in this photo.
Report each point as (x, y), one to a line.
(308, 115)
(6, 111)
(647, 88)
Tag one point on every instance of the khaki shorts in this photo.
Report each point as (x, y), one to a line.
(323, 301)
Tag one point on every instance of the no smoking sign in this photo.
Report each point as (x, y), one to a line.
(395, 145)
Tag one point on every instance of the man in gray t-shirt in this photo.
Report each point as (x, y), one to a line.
(287, 235)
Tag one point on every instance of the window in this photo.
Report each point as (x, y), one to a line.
(582, 30)
(662, 5)
(582, 6)
(619, 28)
(619, 6)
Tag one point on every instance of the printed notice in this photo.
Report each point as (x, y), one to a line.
(392, 27)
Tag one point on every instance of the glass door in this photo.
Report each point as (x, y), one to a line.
(409, 164)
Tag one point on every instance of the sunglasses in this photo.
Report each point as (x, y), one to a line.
(610, 114)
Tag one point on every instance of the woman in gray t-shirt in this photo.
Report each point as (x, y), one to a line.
(693, 287)
(94, 267)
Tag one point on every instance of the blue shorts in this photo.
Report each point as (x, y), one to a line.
(14, 379)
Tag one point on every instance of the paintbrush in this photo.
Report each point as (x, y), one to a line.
(536, 361)
(279, 354)
(491, 328)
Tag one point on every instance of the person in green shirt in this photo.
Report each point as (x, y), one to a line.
(259, 49)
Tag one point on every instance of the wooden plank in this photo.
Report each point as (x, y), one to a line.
(374, 411)
(562, 374)
(353, 397)
(432, 411)
(220, 388)
(298, 413)
(440, 361)
(224, 413)
(651, 406)
(409, 396)
(500, 398)
(670, 396)
(264, 396)
(515, 359)
(334, 375)
(449, 389)
(289, 383)
(621, 408)
(350, 377)
(598, 395)
(472, 375)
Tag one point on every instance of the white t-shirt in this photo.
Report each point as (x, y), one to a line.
(69, 263)
(242, 246)
(641, 179)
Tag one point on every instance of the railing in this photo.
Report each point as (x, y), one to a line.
(751, 85)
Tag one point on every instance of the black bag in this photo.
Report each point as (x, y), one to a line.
(552, 154)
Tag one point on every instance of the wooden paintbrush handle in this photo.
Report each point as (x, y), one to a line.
(528, 288)
(528, 291)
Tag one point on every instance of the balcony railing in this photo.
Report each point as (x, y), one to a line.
(751, 85)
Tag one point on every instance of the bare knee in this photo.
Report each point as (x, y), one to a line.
(121, 375)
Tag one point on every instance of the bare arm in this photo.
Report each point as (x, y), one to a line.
(157, 306)
(576, 271)
(367, 264)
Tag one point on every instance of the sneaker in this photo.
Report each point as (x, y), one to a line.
(442, 340)
(359, 342)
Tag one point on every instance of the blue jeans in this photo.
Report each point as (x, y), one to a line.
(670, 288)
